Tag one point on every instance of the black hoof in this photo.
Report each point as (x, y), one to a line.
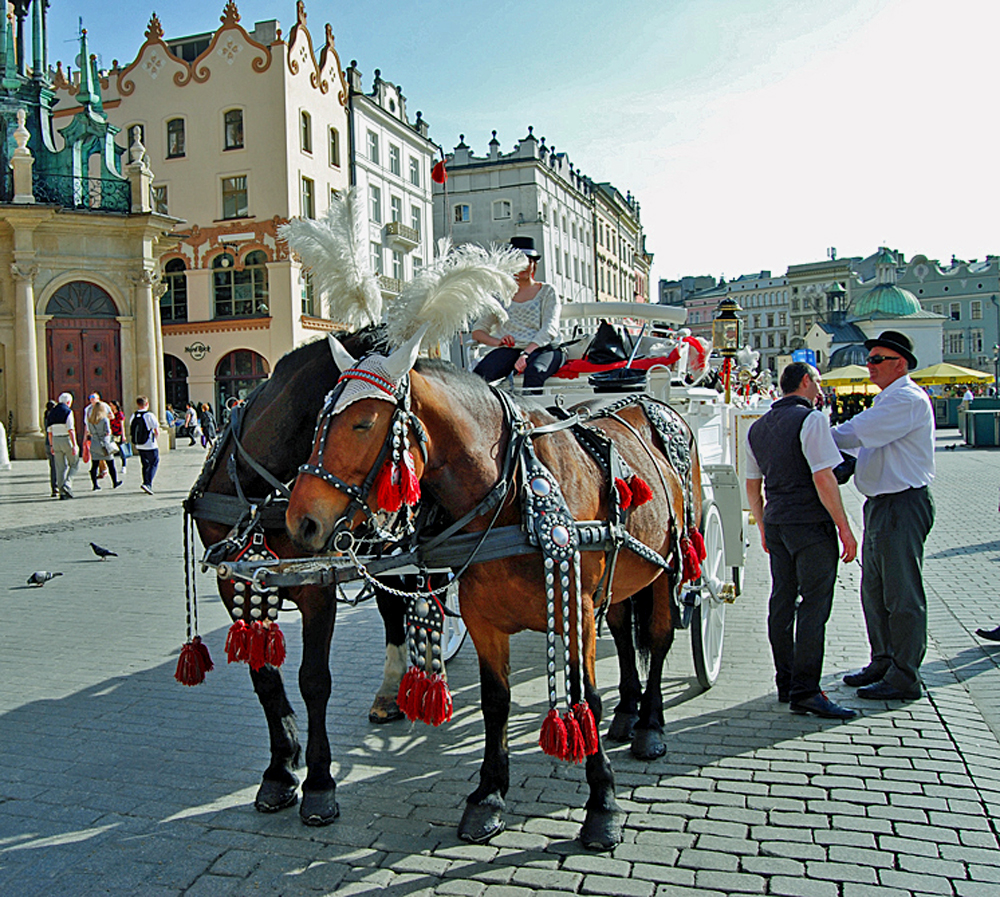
(273, 796)
(602, 829)
(384, 710)
(319, 807)
(482, 821)
(622, 725)
(647, 744)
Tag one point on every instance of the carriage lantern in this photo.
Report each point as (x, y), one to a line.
(727, 335)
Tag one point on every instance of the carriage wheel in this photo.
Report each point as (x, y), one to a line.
(709, 619)
(454, 626)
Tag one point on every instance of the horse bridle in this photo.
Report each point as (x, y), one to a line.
(342, 536)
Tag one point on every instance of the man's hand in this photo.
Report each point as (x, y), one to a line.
(507, 340)
(850, 544)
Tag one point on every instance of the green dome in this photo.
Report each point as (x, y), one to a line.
(886, 301)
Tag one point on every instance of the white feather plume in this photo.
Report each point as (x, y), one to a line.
(463, 284)
(335, 251)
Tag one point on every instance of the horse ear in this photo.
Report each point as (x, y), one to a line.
(341, 357)
(401, 362)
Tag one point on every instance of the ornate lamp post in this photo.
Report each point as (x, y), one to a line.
(727, 337)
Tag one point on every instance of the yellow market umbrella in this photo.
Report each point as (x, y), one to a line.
(846, 376)
(945, 373)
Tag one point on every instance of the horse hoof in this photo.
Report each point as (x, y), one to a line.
(482, 821)
(647, 744)
(622, 726)
(602, 829)
(319, 807)
(273, 796)
(384, 710)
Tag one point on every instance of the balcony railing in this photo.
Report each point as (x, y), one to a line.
(95, 194)
(392, 286)
(401, 237)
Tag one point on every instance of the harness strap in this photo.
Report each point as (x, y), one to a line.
(235, 422)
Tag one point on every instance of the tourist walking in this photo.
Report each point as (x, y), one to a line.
(190, 423)
(53, 481)
(102, 445)
(206, 420)
(144, 431)
(61, 434)
(894, 440)
(117, 421)
(791, 452)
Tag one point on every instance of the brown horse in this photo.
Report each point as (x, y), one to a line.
(466, 433)
(275, 429)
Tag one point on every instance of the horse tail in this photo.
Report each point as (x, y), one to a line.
(642, 616)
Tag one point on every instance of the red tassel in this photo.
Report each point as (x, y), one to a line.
(641, 493)
(258, 646)
(274, 649)
(552, 740)
(698, 541)
(588, 728)
(692, 566)
(409, 484)
(410, 697)
(437, 703)
(202, 649)
(388, 493)
(624, 493)
(237, 642)
(574, 739)
(190, 666)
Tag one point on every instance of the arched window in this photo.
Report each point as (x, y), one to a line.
(81, 299)
(173, 303)
(306, 132)
(175, 138)
(236, 375)
(233, 129)
(240, 292)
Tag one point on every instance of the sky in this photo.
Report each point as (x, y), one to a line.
(755, 134)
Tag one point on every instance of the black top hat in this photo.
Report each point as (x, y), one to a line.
(526, 245)
(900, 342)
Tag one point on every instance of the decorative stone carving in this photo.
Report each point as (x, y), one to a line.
(24, 270)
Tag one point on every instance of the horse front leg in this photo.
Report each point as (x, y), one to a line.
(629, 685)
(384, 708)
(656, 624)
(277, 787)
(319, 790)
(484, 808)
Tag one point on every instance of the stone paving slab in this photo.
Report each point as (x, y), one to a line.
(116, 780)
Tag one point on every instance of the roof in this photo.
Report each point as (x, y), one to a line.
(886, 300)
(843, 333)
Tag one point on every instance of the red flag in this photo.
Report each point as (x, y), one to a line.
(438, 173)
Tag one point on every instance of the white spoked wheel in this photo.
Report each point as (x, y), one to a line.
(454, 626)
(708, 622)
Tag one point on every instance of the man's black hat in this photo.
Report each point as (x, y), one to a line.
(899, 342)
(526, 245)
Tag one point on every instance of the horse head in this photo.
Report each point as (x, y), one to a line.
(360, 463)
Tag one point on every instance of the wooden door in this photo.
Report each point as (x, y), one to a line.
(84, 356)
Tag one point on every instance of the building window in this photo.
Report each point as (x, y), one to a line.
(308, 294)
(418, 263)
(770, 320)
(558, 262)
(335, 147)
(414, 171)
(397, 265)
(955, 311)
(395, 209)
(158, 197)
(308, 198)
(376, 250)
(240, 292)
(461, 214)
(501, 209)
(955, 342)
(976, 310)
(417, 219)
(373, 147)
(234, 197)
(394, 167)
(576, 270)
(937, 308)
(173, 303)
(306, 132)
(566, 267)
(175, 138)
(975, 341)
(375, 203)
(234, 129)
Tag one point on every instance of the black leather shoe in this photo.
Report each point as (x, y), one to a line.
(991, 635)
(820, 705)
(865, 676)
(783, 697)
(883, 691)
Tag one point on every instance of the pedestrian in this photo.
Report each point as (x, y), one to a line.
(790, 450)
(102, 446)
(190, 422)
(93, 399)
(144, 431)
(894, 439)
(61, 435)
(967, 398)
(53, 480)
(117, 421)
(206, 420)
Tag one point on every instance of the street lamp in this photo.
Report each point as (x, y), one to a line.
(996, 372)
(727, 336)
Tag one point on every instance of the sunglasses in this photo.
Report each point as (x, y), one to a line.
(878, 359)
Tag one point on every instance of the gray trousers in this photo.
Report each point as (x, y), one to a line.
(892, 586)
(66, 460)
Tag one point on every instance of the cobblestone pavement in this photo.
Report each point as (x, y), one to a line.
(116, 780)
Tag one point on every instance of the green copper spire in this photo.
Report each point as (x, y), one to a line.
(9, 76)
(88, 94)
(37, 64)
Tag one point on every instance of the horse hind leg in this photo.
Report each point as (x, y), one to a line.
(278, 785)
(626, 714)
(654, 627)
(604, 821)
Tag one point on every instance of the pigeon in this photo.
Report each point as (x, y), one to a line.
(102, 553)
(40, 577)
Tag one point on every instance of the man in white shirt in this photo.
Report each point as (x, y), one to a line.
(894, 440)
(144, 424)
(61, 433)
(790, 450)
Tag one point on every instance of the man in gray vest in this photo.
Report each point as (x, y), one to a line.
(894, 440)
(791, 451)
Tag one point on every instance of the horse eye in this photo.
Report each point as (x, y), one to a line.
(364, 424)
